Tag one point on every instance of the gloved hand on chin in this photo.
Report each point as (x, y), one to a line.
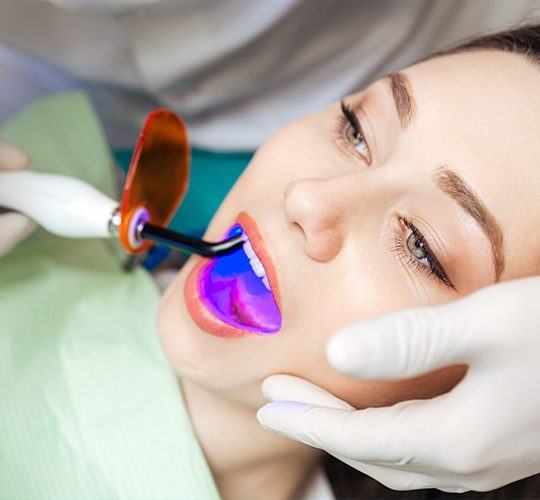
(14, 227)
(483, 434)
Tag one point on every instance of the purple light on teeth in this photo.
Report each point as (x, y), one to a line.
(232, 291)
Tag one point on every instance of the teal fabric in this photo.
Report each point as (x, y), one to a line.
(212, 176)
(89, 408)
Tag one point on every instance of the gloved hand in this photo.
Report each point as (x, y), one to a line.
(483, 434)
(13, 226)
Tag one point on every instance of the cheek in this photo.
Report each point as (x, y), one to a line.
(290, 154)
(275, 164)
(303, 355)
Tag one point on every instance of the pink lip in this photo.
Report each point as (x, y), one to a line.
(202, 317)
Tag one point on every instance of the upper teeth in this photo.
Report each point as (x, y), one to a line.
(256, 264)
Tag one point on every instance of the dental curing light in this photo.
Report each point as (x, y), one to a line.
(155, 186)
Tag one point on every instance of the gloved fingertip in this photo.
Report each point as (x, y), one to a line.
(338, 352)
(266, 388)
(275, 386)
(263, 415)
(271, 414)
(281, 418)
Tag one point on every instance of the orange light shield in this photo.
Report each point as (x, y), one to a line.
(157, 179)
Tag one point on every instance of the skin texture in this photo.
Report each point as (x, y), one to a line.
(329, 220)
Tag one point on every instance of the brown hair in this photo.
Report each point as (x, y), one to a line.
(524, 39)
(349, 484)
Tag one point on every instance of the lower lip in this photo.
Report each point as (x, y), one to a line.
(203, 313)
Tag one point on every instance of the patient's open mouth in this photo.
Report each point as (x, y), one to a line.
(237, 289)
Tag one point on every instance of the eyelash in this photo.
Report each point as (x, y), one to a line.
(350, 119)
(433, 267)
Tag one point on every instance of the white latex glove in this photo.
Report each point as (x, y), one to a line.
(483, 434)
(14, 227)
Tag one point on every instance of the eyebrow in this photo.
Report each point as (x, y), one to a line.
(403, 98)
(455, 187)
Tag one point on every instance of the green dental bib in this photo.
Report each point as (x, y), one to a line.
(89, 408)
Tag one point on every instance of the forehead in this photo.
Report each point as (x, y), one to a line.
(490, 98)
(479, 112)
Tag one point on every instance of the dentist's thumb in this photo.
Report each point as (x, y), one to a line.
(11, 157)
(14, 227)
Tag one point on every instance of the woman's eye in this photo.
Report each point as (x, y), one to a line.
(416, 247)
(415, 251)
(350, 133)
(355, 137)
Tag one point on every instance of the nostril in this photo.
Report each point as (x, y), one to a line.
(299, 232)
(301, 229)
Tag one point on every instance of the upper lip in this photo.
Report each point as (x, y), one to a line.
(258, 244)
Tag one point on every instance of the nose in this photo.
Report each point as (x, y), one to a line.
(316, 208)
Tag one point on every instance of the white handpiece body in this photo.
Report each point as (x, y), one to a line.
(63, 205)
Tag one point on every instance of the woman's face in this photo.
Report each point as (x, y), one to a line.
(433, 194)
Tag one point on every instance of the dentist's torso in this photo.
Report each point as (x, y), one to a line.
(236, 70)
